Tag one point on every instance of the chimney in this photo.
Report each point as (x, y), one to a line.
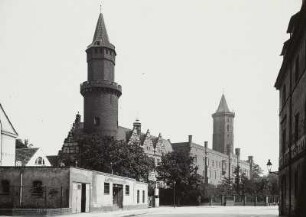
(205, 144)
(237, 152)
(228, 149)
(250, 159)
(137, 126)
(190, 139)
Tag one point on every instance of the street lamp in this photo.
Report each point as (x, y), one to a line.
(269, 166)
(174, 182)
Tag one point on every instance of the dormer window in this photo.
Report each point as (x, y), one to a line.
(39, 161)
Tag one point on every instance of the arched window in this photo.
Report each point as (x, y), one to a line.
(39, 161)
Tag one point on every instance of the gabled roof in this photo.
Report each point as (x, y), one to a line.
(6, 125)
(25, 154)
(223, 107)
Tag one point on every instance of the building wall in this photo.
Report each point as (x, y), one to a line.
(217, 163)
(57, 180)
(291, 83)
(223, 132)
(7, 150)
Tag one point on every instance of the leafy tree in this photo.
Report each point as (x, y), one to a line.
(111, 156)
(178, 171)
(227, 186)
(23, 144)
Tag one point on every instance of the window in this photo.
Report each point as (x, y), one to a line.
(283, 141)
(37, 188)
(137, 196)
(297, 69)
(127, 190)
(227, 127)
(296, 183)
(106, 188)
(143, 196)
(195, 159)
(39, 161)
(5, 186)
(296, 128)
(96, 121)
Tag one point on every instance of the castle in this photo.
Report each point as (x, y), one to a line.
(101, 94)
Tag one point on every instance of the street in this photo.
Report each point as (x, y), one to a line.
(193, 211)
(233, 211)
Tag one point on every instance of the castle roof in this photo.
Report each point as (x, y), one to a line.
(223, 107)
(101, 37)
(25, 154)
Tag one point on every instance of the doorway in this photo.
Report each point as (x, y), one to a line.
(80, 197)
(118, 196)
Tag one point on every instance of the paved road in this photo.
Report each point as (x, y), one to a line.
(213, 212)
(192, 211)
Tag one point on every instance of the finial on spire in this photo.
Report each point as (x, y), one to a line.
(100, 8)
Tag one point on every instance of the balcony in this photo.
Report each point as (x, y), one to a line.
(103, 86)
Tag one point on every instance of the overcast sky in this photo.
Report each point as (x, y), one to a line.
(175, 58)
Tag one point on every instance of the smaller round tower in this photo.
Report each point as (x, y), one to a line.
(223, 128)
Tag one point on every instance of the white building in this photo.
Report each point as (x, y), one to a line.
(7, 140)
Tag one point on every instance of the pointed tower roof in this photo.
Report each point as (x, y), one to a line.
(223, 107)
(101, 37)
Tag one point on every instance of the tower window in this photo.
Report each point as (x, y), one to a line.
(97, 121)
(296, 134)
(227, 127)
(297, 69)
(284, 95)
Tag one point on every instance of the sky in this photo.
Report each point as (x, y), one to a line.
(175, 59)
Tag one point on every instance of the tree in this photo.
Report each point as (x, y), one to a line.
(227, 186)
(111, 156)
(23, 144)
(178, 171)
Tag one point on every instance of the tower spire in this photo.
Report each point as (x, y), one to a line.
(100, 37)
(223, 107)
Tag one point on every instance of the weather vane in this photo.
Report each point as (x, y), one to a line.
(100, 7)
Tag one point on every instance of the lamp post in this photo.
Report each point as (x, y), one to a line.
(269, 166)
(174, 182)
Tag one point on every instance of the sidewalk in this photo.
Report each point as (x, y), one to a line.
(119, 213)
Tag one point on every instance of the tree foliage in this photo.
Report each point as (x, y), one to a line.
(178, 171)
(257, 185)
(111, 156)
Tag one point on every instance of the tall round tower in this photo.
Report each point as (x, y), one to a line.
(100, 91)
(223, 135)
